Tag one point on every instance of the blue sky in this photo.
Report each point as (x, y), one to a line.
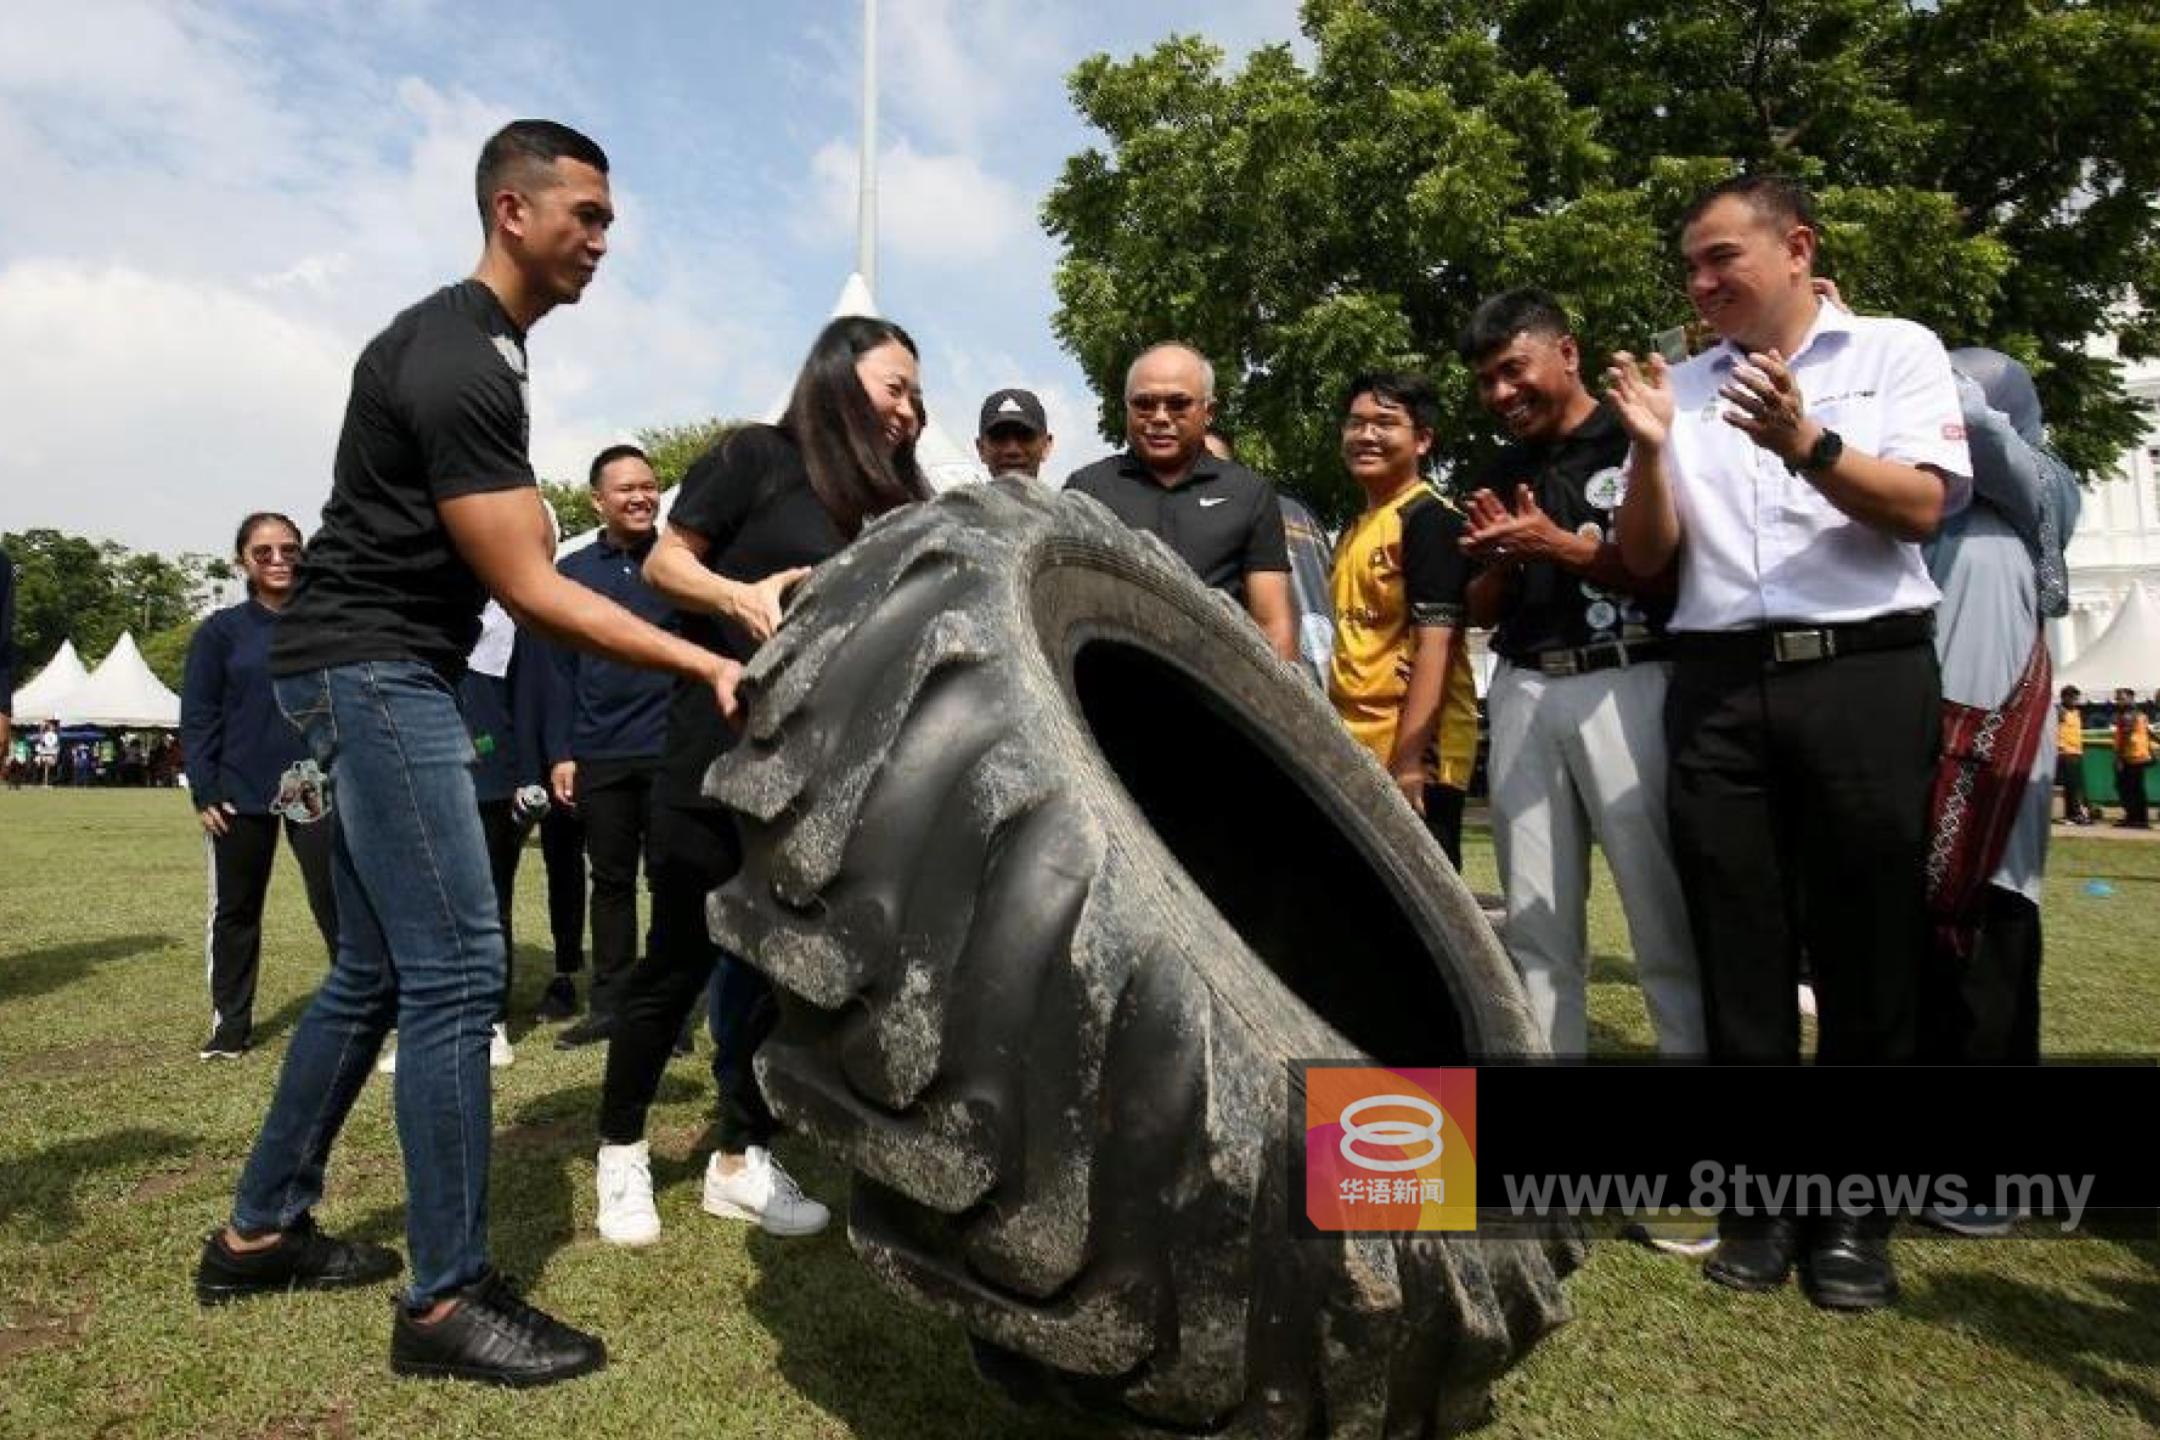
(212, 207)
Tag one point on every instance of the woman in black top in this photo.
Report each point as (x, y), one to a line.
(247, 769)
(753, 515)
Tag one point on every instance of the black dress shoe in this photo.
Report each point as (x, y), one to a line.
(493, 1337)
(1755, 1252)
(303, 1259)
(558, 1001)
(589, 1031)
(1847, 1265)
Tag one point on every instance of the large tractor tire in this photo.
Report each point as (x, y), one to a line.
(1057, 869)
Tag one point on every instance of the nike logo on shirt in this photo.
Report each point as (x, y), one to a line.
(1219, 499)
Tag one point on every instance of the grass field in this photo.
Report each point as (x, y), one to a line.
(118, 1150)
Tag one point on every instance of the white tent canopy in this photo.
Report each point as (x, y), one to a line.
(121, 692)
(2127, 652)
(944, 462)
(39, 700)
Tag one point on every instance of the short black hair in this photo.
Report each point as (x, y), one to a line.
(608, 457)
(528, 143)
(1413, 392)
(1776, 199)
(1500, 318)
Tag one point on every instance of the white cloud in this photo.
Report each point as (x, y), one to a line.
(943, 210)
(159, 411)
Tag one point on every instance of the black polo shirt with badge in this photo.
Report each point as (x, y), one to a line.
(438, 410)
(1221, 519)
(1579, 481)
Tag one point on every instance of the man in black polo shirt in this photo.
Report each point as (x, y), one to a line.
(432, 508)
(618, 726)
(1222, 519)
(1577, 700)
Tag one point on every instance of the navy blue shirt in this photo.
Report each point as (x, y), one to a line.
(504, 717)
(617, 712)
(7, 635)
(235, 740)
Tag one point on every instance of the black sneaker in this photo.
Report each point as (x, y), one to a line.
(303, 1259)
(227, 1042)
(558, 1001)
(589, 1031)
(493, 1337)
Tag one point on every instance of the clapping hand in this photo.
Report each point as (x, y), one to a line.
(1767, 406)
(1642, 398)
(1498, 534)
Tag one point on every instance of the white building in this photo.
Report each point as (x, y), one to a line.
(2118, 534)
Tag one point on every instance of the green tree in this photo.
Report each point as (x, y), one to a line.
(1987, 168)
(69, 588)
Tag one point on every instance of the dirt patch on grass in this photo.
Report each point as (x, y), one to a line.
(336, 1423)
(35, 1328)
(171, 1182)
(74, 1061)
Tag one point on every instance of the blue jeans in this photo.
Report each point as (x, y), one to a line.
(420, 947)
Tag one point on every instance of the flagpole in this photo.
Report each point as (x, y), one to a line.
(866, 200)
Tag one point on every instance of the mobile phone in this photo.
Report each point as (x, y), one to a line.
(1672, 344)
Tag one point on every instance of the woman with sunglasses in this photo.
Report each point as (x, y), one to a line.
(247, 771)
(753, 514)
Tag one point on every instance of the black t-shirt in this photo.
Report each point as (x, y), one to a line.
(1579, 480)
(1222, 519)
(438, 410)
(750, 498)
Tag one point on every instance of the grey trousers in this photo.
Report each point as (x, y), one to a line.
(1577, 759)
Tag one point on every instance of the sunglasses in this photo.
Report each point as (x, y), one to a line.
(264, 554)
(1168, 404)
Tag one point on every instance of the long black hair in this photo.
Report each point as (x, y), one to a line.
(843, 444)
(250, 525)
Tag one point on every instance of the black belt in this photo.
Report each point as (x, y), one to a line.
(1806, 644)
(1605, 655)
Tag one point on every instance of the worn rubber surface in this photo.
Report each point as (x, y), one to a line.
(1057, 869)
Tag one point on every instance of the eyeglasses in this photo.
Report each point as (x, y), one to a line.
(1168, 404)
(264, 554)
(1356, 425)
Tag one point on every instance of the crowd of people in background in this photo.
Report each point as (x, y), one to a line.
(50, 756)
(1767, 624)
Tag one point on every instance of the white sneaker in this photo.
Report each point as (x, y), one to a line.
(624, 1180)
(499, 1052)
(761, 1191)
(1807, 1001)
(386, 1063)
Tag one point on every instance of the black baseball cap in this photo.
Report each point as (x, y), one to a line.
(1013, 407)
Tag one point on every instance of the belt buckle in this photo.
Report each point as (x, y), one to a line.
(1558, 662)
(1789, 647)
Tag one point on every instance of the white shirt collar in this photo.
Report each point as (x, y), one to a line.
(1829, 320)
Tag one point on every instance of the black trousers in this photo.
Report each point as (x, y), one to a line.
(617, 815)
(505, 843)
(2130, 789)
(2070, 774)
(1985, 1010)
(562, 847)
(1799, 799)
(240, 865)
(692, 851)
(1443, 819)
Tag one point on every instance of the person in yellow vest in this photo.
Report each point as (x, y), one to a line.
(1400, 677)
(2133, 757)
(2070, 757)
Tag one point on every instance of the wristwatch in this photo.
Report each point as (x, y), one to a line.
(1823, 453)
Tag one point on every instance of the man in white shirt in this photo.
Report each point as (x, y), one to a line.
(1792, 468)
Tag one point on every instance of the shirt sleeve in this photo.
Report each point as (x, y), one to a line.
(1923, 424)
(202, 713)
(720, 490)
(1436, 574)
(1266, 546)
(467, 408)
